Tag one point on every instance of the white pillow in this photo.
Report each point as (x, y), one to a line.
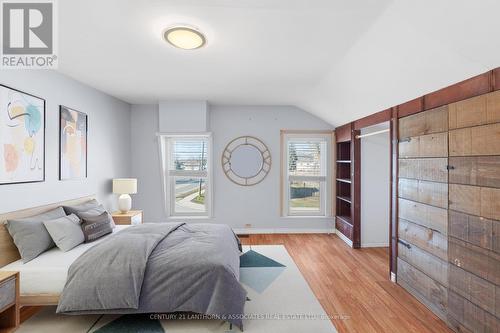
(65, 231)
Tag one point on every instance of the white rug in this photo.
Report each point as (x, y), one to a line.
(280, 301)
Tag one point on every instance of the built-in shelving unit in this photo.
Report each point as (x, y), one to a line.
(347, 212)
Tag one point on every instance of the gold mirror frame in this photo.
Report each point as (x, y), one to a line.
(250, 141)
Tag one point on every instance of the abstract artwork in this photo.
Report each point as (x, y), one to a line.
(22, 137)
(72, 144)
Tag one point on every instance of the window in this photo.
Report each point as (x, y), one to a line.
(306, 184)
(187, 175)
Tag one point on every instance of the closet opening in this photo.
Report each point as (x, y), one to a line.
(375, 181)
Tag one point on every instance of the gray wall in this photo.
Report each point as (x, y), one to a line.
(108, 140)
(233, 205)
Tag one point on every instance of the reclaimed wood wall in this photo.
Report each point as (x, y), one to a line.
(423, 207)
(449, 211)
(474, 214)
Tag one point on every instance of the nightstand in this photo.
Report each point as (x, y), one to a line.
(132, 217)
(9, 301)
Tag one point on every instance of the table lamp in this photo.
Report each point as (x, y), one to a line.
(124, 187)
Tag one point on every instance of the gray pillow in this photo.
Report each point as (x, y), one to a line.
(97, 226)
(30, 235)
(81, 207)
(88, 209)
(65, 231)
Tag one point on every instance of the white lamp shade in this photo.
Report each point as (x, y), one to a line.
(125, 186)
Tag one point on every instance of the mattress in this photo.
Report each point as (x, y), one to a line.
(47, 273)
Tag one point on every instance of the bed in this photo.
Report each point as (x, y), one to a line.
(46, 274)
(161, 268)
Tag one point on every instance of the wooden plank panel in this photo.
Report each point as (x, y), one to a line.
(430, 292)
(481, 262)
(490, 203)
(424, 238)
(373, 119)
(431, 145)
(428, 216)
(496, 78)
(431, 193)
(344, 228)
(475, 289)
(431, 265)
(496, 237)
(455, 325)
(428, 122)
(475, 141)
(469, 112)
(475, 170)
(463, 312)
(465, 198)
(343, 133)
(411, 107)
(493, 107)
(430, 169)
(474, 229)
(475, 200)
(475, 86)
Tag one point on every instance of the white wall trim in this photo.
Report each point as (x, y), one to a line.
(250, 231)
(344, 238)
(375, 245)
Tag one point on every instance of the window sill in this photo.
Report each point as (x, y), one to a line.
(173, 218)
(306, 217)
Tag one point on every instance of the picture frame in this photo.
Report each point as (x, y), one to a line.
(73, 144)
(22, 137)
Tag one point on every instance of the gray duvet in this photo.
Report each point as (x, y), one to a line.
(159, 268)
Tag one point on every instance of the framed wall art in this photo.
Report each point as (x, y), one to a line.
(22, 137)
(72, 144)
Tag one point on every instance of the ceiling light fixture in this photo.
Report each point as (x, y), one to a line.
(185, 38)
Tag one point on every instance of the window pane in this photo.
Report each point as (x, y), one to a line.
(304, 197)
(190, 195)
(189, 154)
(305, 157)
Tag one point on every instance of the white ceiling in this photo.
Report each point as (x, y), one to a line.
(338, 59)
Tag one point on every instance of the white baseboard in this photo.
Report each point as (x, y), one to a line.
(251, 231)
(375, 245)
(344, 238)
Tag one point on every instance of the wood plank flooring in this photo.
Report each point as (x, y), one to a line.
(353, 286)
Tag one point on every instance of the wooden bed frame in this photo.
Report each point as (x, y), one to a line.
(9, 252)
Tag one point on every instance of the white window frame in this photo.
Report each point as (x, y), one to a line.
(326, 190)
(167, 175)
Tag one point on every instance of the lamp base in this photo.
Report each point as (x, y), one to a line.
(124, 203)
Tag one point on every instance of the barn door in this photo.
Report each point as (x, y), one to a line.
(423, 208)
(474, 203)
(449, 211)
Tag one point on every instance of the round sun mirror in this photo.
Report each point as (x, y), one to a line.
(246, 161)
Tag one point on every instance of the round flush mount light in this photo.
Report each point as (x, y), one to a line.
(185, 38)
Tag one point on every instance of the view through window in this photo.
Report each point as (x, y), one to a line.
(306, 175)
(188, 180)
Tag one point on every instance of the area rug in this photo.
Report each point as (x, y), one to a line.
(279, 301)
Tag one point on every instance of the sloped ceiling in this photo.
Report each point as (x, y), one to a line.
(337, 59)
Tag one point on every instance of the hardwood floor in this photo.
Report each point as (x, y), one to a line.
(354, 285)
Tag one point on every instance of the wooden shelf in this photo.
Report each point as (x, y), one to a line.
(344, 198)
(347, 183)
(346, 219)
